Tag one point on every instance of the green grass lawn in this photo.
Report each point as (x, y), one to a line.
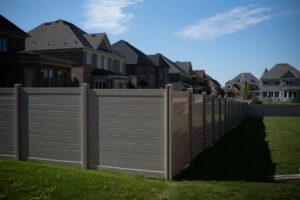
(236, 167)
(283, 137)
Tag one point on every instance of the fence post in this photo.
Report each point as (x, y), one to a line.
(168, 132)
(17, 94)
(225, 115)
(190, 90)
(84, 124)
(204, 118)
(220, 115)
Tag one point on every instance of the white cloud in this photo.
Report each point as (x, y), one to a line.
(108, 15)
(231, 21)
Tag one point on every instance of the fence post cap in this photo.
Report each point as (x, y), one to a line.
(190, 89)
(204, 92)
(17, 85)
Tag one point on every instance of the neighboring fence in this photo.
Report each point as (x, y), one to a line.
(261, 110)
(155, 133)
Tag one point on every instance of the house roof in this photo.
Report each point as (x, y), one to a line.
(9, 27)
(247, 77)
(174, 68)
(280, 71)
(31, 56)
(158, 60)
(186, 66)
(133, 55)
(61, 34)
(199, 73)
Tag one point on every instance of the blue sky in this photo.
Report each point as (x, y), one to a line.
(223, 37)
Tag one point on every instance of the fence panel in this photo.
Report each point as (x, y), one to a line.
(7, 137)
(53, 119)
(128, 127)
(223, 116)
(180, 131)
(216, 119)
(209, 121)
(197, 125)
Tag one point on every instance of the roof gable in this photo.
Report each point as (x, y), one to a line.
(158, 60)
(174, 68)
(99, 41)
(133, 55)
(288, 74)
(9, 27)
(186, 66)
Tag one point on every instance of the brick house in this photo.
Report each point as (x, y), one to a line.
(28, 68)
(140, 69)
(94, 60)
(280, 83)
(162, 70)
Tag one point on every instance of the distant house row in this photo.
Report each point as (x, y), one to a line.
(60, 54)
(280, 83)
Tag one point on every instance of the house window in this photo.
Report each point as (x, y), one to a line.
(290, 94)
(99, 84)
(295, 94)
(265, 94)
(116, 84)
(98, 61)
(61, 78)
(109, 64)
(105, 62)
(277, 82)
(289, 82)
(3, 44)
(276, 94)
(89, 58)
(121, 67)
(265, 83)
(270, 94)
(285, 94)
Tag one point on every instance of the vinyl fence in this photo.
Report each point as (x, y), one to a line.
(154, 133)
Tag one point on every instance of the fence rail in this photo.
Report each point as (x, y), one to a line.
(154, 133)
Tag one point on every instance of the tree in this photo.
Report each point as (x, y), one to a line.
(245, 92)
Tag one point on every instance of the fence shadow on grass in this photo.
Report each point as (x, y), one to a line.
(243, 154)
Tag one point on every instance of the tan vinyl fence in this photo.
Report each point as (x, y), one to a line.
(151, 132)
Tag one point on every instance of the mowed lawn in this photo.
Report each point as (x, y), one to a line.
(236, 167)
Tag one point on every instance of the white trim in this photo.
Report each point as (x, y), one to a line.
(54, 160)
(129, 169)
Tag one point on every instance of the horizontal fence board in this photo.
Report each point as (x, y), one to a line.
(147, 173)
(126, 164)
(53, 91)
(130, 146)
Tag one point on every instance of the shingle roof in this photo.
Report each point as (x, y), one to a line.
(133, 55)
(186, 66)
(158, 60)
(174, 68)
(61, 34)
(247, 77)
(8, 26)
(280, 70)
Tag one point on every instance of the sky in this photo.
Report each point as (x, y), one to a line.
(223, 37)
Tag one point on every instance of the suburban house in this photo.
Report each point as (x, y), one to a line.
(185, 66)
(199, 82)
(280, 83)
(141, 71)
(94, 60)
(28, 68)
(162, 70)
(245, 85)
(180, 79)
